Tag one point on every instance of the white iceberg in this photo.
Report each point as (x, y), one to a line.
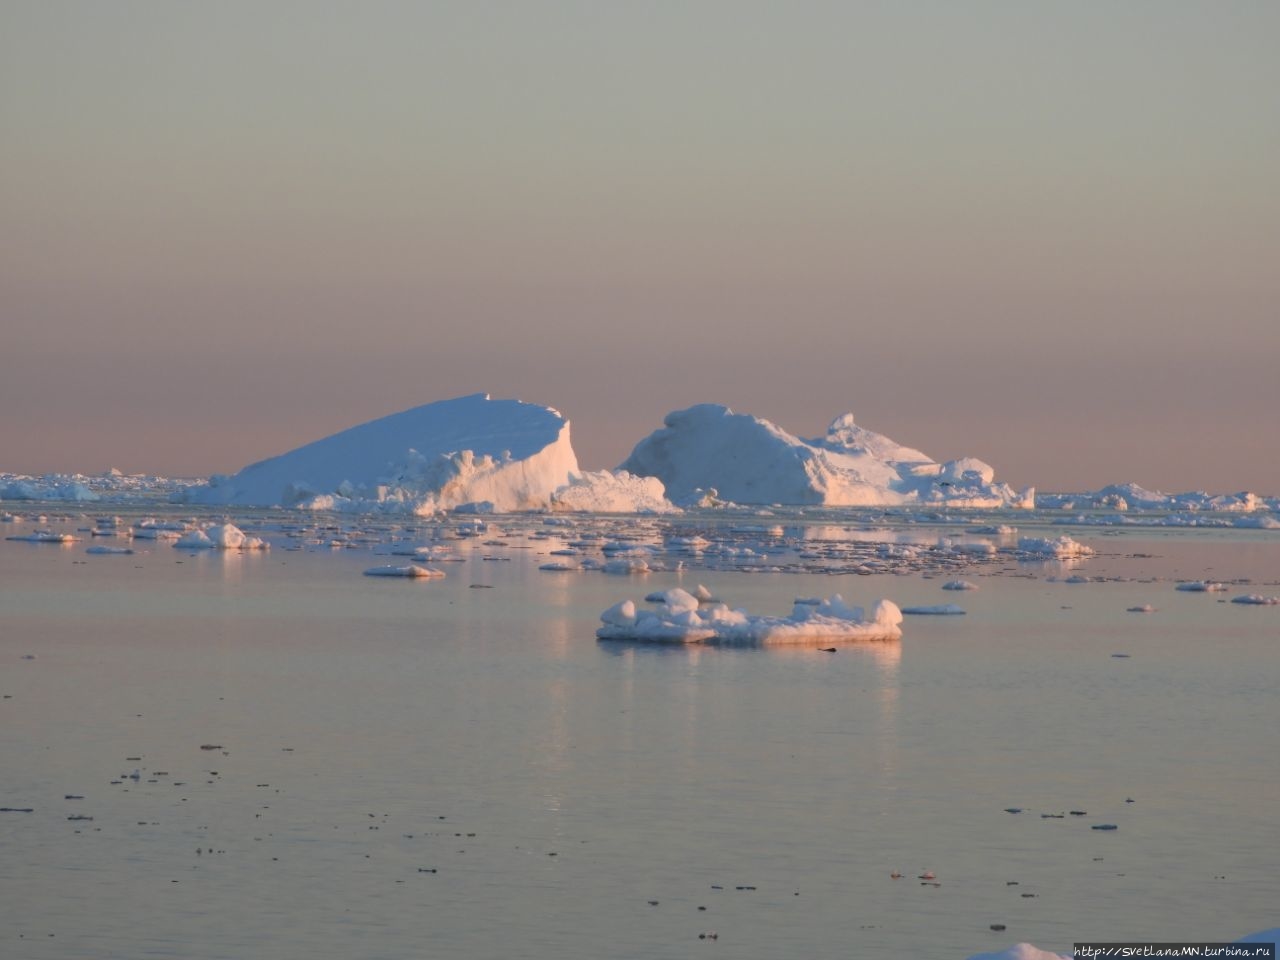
(748, 460)
(442, 455)
(680, 617)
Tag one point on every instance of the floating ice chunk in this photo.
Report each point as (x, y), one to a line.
(626, 564)
(194, 540)
(152, 529)
(1143, 608)
(959, 585)
(1256, 599)
(45, 536)
(412, 571)
(1201, 586)
(1059, 547)
(680, 618)
(114, 551)
(224, 536)
(935, 610)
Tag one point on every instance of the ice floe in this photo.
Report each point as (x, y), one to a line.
(222, 536)
(45, 536)
(680, 617)
(412, 571)
(1057, 547)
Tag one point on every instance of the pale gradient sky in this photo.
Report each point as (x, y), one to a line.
(1043, 234)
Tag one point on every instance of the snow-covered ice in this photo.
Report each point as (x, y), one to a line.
(710, 450)
(681, 617)
(442, 455)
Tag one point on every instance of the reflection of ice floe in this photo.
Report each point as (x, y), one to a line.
(681, 618)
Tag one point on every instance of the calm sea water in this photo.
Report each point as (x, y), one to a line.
(457, 768)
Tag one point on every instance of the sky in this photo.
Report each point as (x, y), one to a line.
(1042, 234)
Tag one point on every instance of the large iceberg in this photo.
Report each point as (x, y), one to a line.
(746, 459)
(507, 454)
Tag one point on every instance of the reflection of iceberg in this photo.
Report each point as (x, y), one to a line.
(681, 618)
